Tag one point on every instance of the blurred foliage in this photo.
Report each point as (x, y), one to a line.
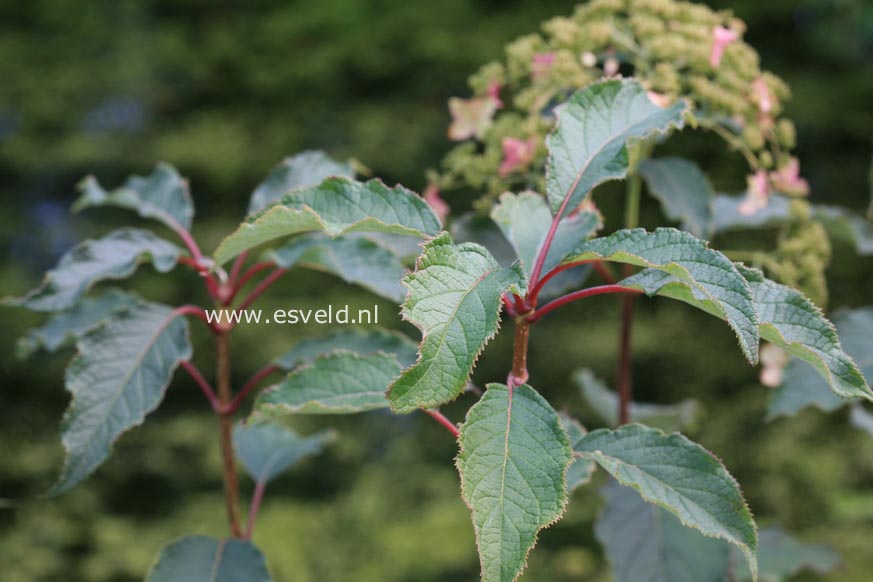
(224, 90)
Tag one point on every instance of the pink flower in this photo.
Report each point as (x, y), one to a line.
(721, 38)
(435, 201)
(773, 361)
(758, 194)
(610, 67)
(517, 154)
(761, 94)
(541, 64)
(787, 179)
(494, 93)
(658, 99)
(471, 117)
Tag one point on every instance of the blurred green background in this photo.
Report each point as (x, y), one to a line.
(224, 89)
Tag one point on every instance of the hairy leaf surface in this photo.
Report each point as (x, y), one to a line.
(512, 461)
(304, 169)
(363, 342)
(455, 300)
(335, 207)
(119, 376)
(680, 476)
(162, 195)
(589, 143)
(339, 383)
(115, 256)
(683, 190)
(709, 273)
(208, 559)
(267, 450)
(646, 543)
(354, 260)
(64, 328)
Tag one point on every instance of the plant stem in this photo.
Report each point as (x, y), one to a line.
(575, 295)
(447, 424)
(225, 426)
(201, 383)
(624, 382)
(196, 311)
(519, 373)
(249, 386)
(255, 507)
(261, 287)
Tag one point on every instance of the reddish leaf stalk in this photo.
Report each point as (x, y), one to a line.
(447, 424)
(250, 272)
(261, 287)
(225, 426)
(256, 379)
(237, 267)
(195, 311)
(581, 294)
(255, 507)
(202, 384)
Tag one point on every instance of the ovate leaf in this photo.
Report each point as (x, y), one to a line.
(162, 195)
(780, 556)
(354, 260)
(363, 342)
(644, 541)
(683, 190)
(340, 383)
(525, 219)
(208, 559)
(707, 272)
(119, 376)
(115, 256)
(580, 470)
(67, 326)
(604, 402)
(267, 450)
(304, 169)
(512, 461)
(680, 476)
(454, 299)
(335, 207)
(589, 143)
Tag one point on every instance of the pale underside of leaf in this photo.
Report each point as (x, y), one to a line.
(455, 300)
(162, 195)
(589, 143)
(581, 470)
(355, 260)
(304, 169)
(683, 190)
(266, 450)
(680, 476)
(339, 383)
(781, 556)
(512, 461)
(118, 377)
(208, 559)
(115, 256)
(709, 273)
(362, 342)
(335, 207)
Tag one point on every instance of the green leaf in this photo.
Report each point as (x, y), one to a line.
(362, 342)
(727, 215)
(475, 228)
(512, 462)
(339, 383)
(680, 476)
(115, 256)
(780, 556)
(454, 299)
(580, 470)
(802, 386)
(267, 450)
(707, 272)
(119, 376)
(849, 226)
(525, 219)
(644, 541)
(304, 169)
(336, 206)
(355, 260)
(162, 195)
(683, 190)
(67, 326)
(604, 402)
(589, 143)
(208, 559)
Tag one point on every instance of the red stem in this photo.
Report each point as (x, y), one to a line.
(448, 424)
(195, 311)
(605, 273)
(256, 379)
(261, 287)
(237, 267)
(247, 276)
(257, 498)
(507, 303)
(202, 383)
(581, 294)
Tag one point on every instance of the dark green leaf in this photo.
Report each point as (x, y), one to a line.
(267, 450)
(208, 559)
(363, 342)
